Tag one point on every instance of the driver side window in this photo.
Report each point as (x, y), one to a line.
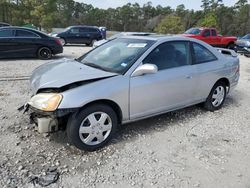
(206, 33)
(169, 55)
(75, 30)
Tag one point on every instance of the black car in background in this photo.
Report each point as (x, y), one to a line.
(2, 24)
(25, 42)
(80, 35)
(243, 45)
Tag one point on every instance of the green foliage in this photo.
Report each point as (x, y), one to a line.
(48, 14)
(210, 20)
(170, 25)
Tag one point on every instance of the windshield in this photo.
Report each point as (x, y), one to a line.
(246, 37)
(117, 55)
(193, 31)
(67, 29)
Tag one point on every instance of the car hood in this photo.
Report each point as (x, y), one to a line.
(189, 35)
(230, 37)
(243, 42)
(63, 72)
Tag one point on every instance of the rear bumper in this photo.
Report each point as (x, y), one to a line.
(234, 82)
(57, 50)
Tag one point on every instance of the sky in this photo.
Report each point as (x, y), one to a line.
(189, 4)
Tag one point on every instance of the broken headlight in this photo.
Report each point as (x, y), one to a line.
(46, 101)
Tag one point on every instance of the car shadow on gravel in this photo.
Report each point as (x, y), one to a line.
(131, 131)
(162, 122)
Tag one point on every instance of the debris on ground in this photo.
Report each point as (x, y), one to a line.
(50, 176)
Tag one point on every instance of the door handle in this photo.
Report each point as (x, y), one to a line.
(189, 77)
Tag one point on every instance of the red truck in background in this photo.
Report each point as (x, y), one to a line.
(211, 36)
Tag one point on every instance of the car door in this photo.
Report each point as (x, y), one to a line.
(171, 87)
(207, 66)
(215, 39)
(74, 36)
(6, 43)
(85, 35)
(206, 36)
(27, 42)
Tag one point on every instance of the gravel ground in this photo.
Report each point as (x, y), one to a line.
(186, 148)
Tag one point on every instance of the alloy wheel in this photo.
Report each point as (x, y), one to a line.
(45, 53)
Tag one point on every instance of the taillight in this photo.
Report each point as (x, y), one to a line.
(58, 41)
(238, 69)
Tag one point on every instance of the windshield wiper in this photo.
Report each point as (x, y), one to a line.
(98, 67)
(77, 59)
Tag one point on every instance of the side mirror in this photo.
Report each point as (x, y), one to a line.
(145, 69)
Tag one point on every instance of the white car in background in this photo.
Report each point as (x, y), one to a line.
(122, 34)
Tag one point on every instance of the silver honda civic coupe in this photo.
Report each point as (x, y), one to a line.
(125, 80)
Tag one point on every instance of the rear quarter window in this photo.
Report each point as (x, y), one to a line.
(202, 54)
(26, 34)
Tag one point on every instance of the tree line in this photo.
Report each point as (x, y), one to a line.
(48, 14)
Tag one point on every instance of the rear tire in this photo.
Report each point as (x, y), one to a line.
(44, 53)
(91, 43)
(92, 128)
(216, 97)
(231, 46)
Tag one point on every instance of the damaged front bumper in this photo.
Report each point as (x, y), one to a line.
(46, 122)
(243, 50)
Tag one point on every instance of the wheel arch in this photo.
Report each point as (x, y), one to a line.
(63, 39)
(226, 81)
(229, 43)
(109, 103)
(43, 46)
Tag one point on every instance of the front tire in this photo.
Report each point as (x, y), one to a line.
(44, 53)
(63, 41)
(216, 97)
(92, 128)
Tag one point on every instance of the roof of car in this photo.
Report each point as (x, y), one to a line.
(24, 28)
(83, 26)
(202, 28)
(17, 27)
(154, 37)
(158, 37)
(4, 23)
